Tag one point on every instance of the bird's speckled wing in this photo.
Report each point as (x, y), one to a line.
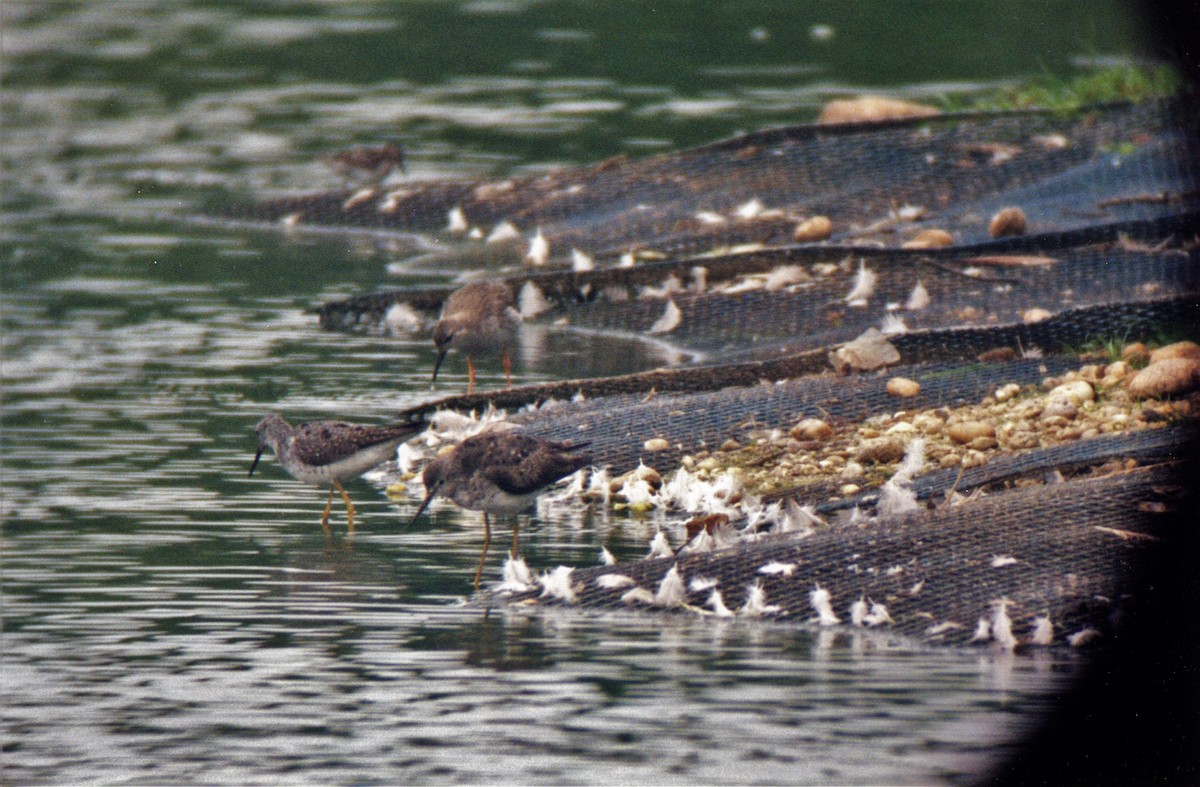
(322, 443)
(521, 465)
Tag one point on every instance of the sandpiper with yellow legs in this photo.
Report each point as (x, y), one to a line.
(327, 453)
(499, 472)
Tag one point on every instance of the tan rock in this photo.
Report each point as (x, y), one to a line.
(929, 239)
(881, 450)
(813, 229)
(966, 431)
(902, 386)
(812, 429)
(1176, 350)
(869, 109)
(1008, 222)
(1167, 377)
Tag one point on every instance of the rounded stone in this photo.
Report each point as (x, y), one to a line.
(966, 431)
(902, 386)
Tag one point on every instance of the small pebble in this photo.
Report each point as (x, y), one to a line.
(1008, 222)
(902, 386)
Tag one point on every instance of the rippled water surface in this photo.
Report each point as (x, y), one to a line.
(167, 619)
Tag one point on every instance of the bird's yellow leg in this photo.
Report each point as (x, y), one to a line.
(507, 368)
(516, 529)
(349, 508)
(470, 376)
(487, 539)
(325, 516)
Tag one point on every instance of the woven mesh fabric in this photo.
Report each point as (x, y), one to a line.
(1067, 552)
(1101, 164)
(712, 267)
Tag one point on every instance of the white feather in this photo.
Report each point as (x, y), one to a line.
(669, 321)
(821, 602)
(557, 584)
(671, 590)
(864, 285)
(456, 220)
(614, 581)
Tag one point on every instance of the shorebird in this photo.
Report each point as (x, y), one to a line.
(326, 453)
(479, 318)
(368, 166)
(499, 472)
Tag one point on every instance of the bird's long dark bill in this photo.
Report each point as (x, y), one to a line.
(438, 363)
(257, 456)
(424, 504)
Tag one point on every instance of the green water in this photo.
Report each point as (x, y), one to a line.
(167, 619)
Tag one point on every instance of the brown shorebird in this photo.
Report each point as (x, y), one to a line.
(326, 453)
(368, 166)
(479, 318)
(499, 472)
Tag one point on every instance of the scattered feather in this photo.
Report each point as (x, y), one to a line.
(557, 584)
(709, 217)
(1002, 625)
(627, 260)
(999, 561)
(670, 286)
(669, 321)
(821, 602)
(401, 318)
(717, 604)
(539, 249)
(892, 325)
(785, 276)
(983, 631)
(408, 458)
(701, 584)
(614, 581)
(503, 231)
(638, 595)
(918, 299)
(456, 220)
(750, 209)
(606, 557)
(671, 590)
(798, 518)
(878, 615)
(756, 602)
(580, 262)
(1043, 631)
(775, 567)
(517, 577)
(864, 285)
(358, 197)
(532, 301)
(896, 496)
(660, 547)
(858, 612)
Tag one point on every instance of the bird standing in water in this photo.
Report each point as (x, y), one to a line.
(368, 166)
(479, 318)
(499, 472)
(326, 453)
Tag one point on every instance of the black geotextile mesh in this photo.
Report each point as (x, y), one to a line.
(1097, 165)
(1068, 552)
(1110, 254)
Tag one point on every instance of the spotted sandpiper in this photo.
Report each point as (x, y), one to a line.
(368, 166)
(479, 318)
(499, 472)
(326, 453)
